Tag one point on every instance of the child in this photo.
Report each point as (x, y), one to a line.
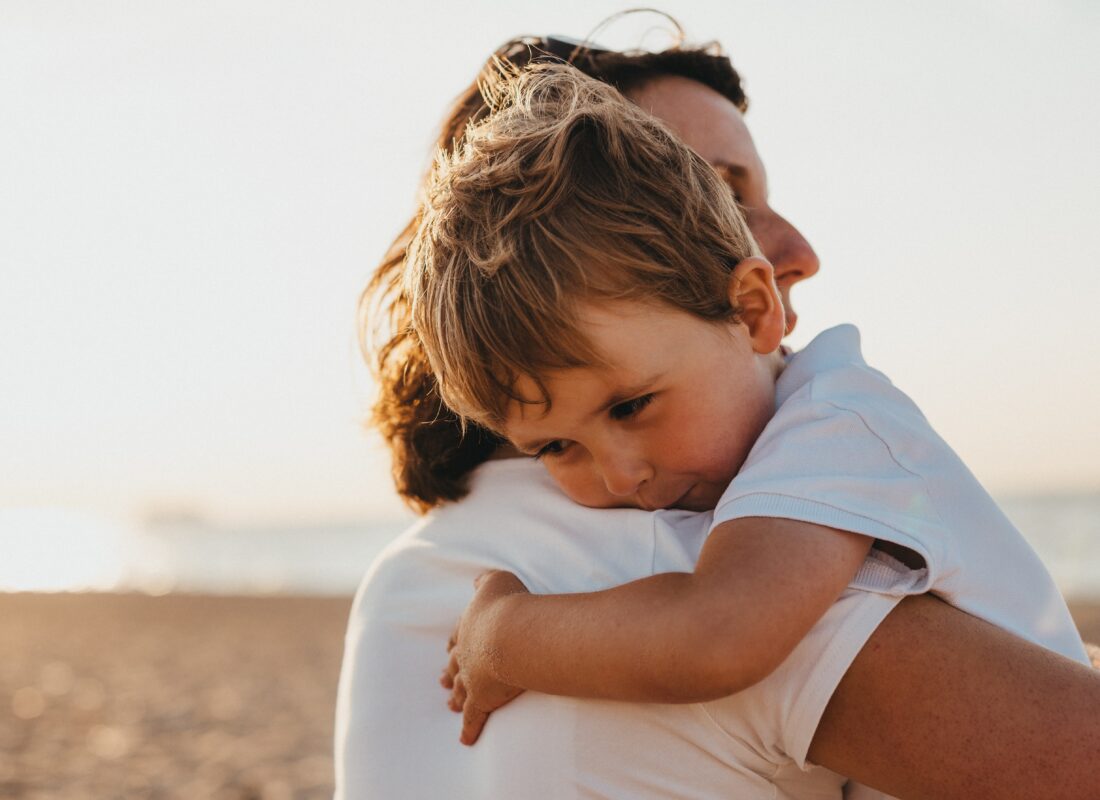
(584, 284)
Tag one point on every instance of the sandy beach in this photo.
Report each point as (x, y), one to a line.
(131, 696)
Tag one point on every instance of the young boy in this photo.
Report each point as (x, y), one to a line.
(584, 284)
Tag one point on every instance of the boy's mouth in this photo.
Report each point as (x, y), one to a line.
(683, 501)
(702, 496)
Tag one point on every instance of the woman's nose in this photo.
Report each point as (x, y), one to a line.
(794, 260)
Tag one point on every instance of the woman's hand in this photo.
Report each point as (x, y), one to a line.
(470, 675)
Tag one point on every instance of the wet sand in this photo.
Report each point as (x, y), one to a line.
(130, 696)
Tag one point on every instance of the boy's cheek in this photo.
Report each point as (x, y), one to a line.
(585, 488)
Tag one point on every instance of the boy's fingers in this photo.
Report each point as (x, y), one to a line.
(473, 720)
(483, 576)
(447, 678)
(449, 672)
(458, 695)
(451, 642)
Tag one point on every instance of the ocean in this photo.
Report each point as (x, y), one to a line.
(62, 550)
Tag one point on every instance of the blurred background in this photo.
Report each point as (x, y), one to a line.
(192, 196)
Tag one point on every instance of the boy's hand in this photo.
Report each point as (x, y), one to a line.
(1094, 654)
(469, 674)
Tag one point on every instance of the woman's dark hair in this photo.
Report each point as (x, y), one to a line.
(432, 455)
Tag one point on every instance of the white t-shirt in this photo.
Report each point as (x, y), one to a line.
(395, 738)
(849, 450)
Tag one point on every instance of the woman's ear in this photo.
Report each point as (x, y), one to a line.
(752, 289)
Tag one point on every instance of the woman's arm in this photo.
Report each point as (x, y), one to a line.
(939, 704)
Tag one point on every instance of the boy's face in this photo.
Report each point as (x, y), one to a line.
(666, 424)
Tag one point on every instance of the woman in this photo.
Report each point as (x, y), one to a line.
(854, 699)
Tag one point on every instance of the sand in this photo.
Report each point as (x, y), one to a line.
(130, 696)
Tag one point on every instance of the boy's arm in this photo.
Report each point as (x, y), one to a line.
(760, 584)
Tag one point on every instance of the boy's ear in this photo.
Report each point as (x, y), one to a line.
(752, 289)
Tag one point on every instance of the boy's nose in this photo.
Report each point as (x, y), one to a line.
(623, 477)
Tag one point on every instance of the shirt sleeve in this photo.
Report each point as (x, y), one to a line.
(837, 466)
(781, 713)
(805, 682)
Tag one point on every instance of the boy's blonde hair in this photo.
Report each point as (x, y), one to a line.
(564, 193)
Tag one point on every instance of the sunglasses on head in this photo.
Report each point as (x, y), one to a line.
(522, 52)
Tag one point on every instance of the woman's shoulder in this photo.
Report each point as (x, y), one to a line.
(516, 518)
(502, 492)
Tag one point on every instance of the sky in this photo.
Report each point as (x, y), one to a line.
(193, 194)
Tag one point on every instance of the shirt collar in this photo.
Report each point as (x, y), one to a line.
(832, 348)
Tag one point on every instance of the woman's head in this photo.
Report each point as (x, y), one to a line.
(626, 71)
(710, 125)
(698, 94)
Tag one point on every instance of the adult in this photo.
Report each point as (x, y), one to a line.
(853, 699)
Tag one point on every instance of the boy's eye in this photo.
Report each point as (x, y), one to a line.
(629, 408)
(553, 448)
